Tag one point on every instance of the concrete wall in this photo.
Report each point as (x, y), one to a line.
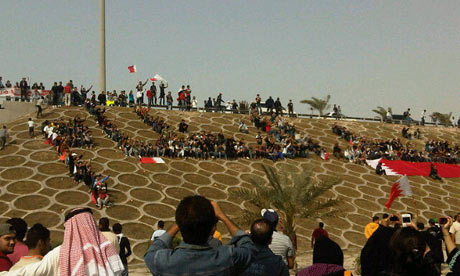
(13, 110)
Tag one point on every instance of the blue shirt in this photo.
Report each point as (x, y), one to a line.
(203, 260)
(265, 263)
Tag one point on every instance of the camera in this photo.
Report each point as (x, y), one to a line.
(394, 218)
(406, 219)
(442, 220)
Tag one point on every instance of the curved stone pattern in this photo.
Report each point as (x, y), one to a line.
(34, 185)
(16, 173)
(11, 161)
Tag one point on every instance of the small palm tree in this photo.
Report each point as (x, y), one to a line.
(382, 112)
(294, 195)
(318, 104)
(444, 119)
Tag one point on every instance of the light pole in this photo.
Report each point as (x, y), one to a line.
(102, 79)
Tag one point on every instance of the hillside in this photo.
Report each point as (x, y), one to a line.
(34, 185)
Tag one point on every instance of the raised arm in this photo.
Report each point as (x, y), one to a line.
(450, 244)
(231, 227)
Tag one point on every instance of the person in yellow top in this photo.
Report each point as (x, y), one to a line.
(38, 242)
(371, 227)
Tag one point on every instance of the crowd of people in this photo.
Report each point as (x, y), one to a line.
(364, 148)
(64, 135)
(88, 248)
(68, 94)
(395, 246)
(279, 143)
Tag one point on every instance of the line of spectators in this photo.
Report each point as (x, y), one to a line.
(394, 246)
(74, 134)
(363, 148)
(88, 248)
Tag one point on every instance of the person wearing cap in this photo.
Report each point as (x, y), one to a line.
(7, 241)
(281, 244)
(84, 251)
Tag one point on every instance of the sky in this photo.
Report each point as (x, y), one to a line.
(365, 54)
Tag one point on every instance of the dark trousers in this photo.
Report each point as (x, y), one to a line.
(39, 110)
(23, 94)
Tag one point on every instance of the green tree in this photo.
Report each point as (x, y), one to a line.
(318, 104)
(382, 112)
(294, 195)
(443, 119)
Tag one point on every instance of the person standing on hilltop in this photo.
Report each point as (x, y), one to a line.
(153, 91)
(162, 93)
(290, 109)
(140, 91)
(24, 87)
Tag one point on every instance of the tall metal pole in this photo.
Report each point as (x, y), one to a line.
(102, 79)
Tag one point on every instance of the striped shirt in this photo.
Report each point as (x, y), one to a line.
(282, 246)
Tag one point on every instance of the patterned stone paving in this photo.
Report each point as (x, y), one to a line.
(34, 185)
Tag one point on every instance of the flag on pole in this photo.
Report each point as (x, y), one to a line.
(132, 68)
(399, 188)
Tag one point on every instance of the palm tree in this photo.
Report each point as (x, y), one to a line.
(382, 112)
(294, 195)
(444, 119)
(318, 104)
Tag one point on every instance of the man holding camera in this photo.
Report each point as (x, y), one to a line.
(196, 217)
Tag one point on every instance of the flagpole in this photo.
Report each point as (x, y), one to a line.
(102, 64)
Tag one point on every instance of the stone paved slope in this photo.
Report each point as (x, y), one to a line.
(34, 185)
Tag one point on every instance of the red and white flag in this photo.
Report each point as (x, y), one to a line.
(399, 188)
(132, 68)
(157, 78)
(151, 160)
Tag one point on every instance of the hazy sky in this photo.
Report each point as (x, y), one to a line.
(363, 53)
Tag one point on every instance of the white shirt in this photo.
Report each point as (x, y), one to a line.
(48, 266)
(455, 229)
(282, 246)
(30, 123)
(157, 234)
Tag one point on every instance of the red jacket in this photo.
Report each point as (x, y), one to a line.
(67, 89)
(5, 263)
(149, 94)
(181, 96)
